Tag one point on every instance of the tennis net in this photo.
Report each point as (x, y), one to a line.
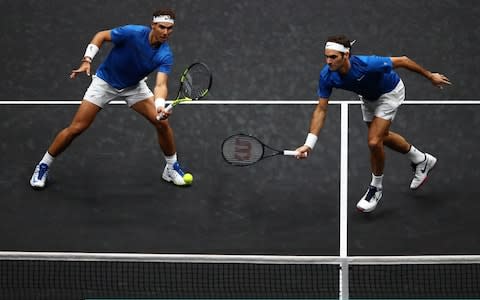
(27, 275)
(100, 276)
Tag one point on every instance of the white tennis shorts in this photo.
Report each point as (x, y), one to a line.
(386, 106)
(100, 92)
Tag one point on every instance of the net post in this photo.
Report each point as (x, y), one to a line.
(343, 284)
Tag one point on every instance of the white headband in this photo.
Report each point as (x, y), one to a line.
(337, 47)
(163, 18)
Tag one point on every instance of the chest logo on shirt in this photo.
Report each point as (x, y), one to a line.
(361, 77)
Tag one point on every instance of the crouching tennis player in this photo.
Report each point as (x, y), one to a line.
(138, 51)
(382, 92)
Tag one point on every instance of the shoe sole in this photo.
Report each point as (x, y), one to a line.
(36, 187)
(425, 179)
(168, 180)
(367, 210)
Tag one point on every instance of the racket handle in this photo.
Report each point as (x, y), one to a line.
(161, 115)
(293, 153)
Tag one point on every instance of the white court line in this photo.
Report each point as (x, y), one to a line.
(241, 102)
(343, 179)
(343, 272)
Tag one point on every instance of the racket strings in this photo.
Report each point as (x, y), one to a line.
(187, 85)
(196, 82)
(242, 150)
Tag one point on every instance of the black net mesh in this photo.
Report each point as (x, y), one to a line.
(30, 279)
(415, 281)
(49, 279)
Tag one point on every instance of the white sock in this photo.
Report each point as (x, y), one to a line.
(377, 181)
(415, 155)
(171, 160)
(47, 159)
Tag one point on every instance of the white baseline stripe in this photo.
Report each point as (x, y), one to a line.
(241, 102)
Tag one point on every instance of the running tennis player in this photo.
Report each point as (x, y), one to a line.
(138, 51)
(382, 91)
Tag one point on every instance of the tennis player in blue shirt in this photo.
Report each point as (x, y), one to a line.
(137, 52)
(382, 92)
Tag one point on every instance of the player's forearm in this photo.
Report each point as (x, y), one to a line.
(100, 37)
(95, 44)
(160, 91)
(161, 86)
(407, 63)
(318, 119)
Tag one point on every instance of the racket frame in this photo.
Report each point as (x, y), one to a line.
(180, 89)
(274, 152)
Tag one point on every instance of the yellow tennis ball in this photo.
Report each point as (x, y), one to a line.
(188, 178)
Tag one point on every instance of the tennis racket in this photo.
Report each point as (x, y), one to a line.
(195, 83)
(245, 150)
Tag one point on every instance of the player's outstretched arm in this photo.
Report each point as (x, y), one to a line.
(91, 51)
(437, 79)
(316, 124)
(161, 91)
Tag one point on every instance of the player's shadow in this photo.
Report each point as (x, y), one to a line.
(380, 213)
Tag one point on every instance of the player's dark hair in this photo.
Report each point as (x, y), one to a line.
(341, 39)
(164, 11)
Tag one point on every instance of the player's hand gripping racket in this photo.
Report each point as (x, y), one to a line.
(195, 83)
(244, 150)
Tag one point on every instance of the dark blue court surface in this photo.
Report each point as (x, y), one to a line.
(440, 217)
(106, 192)
(270, 49)
(106, 195)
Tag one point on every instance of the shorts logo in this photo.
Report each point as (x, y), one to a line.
(361, 77)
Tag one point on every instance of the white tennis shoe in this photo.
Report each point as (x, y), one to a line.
(39, 177)
(421, 170)
(370, 200)
(174, 174)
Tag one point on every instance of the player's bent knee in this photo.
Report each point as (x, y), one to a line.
(375, 143)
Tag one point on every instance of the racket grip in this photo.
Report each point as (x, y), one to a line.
(161, 115)
(293, 153)
(290, 152)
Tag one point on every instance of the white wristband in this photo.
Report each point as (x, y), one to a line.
(311, 140)
(159, 102)
(91, 51)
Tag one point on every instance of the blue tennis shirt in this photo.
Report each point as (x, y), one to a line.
(132, 58)
(369, 76)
